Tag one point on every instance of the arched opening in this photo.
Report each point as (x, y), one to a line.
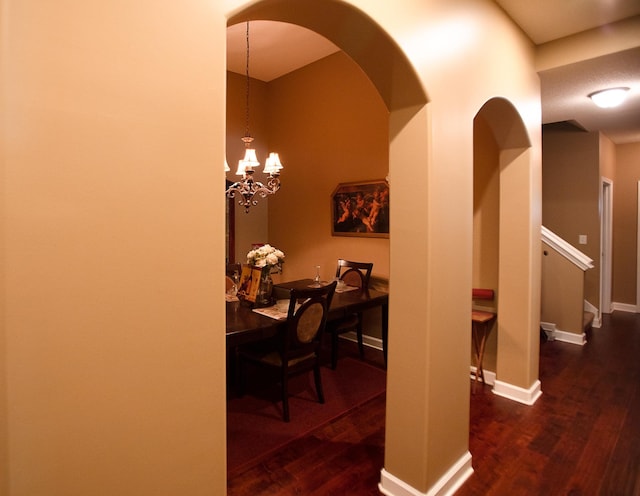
(385, 66)
(503, 235)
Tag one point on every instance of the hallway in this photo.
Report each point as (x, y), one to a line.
(582, 437)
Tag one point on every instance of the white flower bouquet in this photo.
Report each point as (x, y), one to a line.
(266, 256)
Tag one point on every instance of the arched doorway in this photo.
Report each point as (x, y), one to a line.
(503, 234)
(401, 90)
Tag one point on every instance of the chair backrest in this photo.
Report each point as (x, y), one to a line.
(354, 273)
(306, 320)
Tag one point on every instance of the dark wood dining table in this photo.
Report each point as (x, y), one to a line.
(245, 326)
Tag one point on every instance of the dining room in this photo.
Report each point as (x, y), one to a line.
(330, 127)
(331, 132)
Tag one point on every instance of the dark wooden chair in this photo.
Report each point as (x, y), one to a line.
(353, 274)
(296, 349)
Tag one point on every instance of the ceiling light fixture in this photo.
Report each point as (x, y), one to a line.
(611, 97)
(248, 188)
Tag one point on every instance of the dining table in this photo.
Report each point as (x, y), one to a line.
(245, 323)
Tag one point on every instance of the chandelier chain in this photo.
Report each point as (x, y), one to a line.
(246, 131)
(248, 190)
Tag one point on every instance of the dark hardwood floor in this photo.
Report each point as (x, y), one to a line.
(582, 437)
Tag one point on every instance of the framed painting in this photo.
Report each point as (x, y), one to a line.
(361, 209)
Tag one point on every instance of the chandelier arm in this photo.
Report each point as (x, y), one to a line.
(248, 190)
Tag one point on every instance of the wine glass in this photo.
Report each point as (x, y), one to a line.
(236, 280)
(316, 279)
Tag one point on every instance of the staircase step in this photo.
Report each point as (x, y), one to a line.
(587, 320)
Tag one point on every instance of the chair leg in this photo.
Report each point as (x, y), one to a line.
(318, 380)
(334, 350)
(285, 396)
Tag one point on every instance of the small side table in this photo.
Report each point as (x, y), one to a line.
(481, 323)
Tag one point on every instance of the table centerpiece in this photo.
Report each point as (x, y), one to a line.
(269, 260)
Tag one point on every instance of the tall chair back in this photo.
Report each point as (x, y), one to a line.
(354, 273)
(306, 320)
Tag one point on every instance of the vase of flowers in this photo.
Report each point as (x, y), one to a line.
(270, 260)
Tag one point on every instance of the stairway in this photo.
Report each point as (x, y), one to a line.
(587, 321)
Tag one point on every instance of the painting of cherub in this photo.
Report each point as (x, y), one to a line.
(361, 209)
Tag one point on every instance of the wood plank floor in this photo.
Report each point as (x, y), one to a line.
(582, 437)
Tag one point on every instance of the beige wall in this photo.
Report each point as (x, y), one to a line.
(332, 128)
(562, 292)
(113, 239)
(252, 227)
(571, 195)
(607, 157)
(486, 225)
(115, 374)
(4, 433)
(625, 227)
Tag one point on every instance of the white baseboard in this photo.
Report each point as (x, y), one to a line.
(549, 329)
(624, 307)
(597, 319)
(370, 341)
(447, 485)
(489, 376)
(570, 337)
(516, 393)
(555, 334)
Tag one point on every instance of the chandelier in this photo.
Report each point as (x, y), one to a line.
(248, 190)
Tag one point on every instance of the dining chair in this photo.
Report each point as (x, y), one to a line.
(353, 274)
(296, 348)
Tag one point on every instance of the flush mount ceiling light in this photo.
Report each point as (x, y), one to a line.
(609, 98)
(248, 189)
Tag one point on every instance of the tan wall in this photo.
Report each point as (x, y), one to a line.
(486, 225)
(114, 240)
(114, 355)
(252, 227)
(333, 128)
(625, 227)
(607, 157)
(562, 292)
(571, 195)
(4, 433)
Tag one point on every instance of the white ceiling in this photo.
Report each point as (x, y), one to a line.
(276, 48)
(547, 20)
(279, 48)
